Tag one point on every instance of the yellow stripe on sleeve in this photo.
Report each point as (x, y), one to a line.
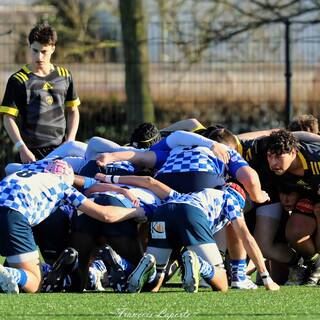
(303, 161)
(200, 126)
(73, 103)
(26, 69)
(239, 147)
(23, 76)
(9, 110)
(249, 155)
(314, 168)
(18, 78)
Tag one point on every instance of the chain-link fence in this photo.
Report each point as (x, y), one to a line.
(240, 83)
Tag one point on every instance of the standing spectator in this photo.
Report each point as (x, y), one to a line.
(38, 93)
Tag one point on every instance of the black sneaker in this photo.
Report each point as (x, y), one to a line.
(64, 265)
(116, 273)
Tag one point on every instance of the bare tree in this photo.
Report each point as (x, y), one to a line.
(216, 21)
(78, 28)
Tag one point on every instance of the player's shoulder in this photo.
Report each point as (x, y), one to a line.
(20, 76)
(62, 71)
(310, 149)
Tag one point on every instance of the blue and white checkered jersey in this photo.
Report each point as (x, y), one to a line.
(147, 198)
(217, 205)
(38, 166)
(124, 165)
(37, 194)
(199, 159)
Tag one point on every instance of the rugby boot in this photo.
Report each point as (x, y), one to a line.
(66, 263)
(142, 273)
(191, 276)
(116, 273)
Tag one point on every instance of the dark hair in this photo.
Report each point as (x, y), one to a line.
(287, 187)
(281, 141)
(44, 34)
(145, 135)
(205, 132)
(304, 122)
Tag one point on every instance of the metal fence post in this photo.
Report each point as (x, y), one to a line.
(288, 72)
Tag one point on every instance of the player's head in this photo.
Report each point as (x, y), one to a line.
(288, 196)
(237, 193)
(42, 40)
(62, 169)
(282, 149)
(44, 34)
(222, 135)
(304, 122)
(145, 135)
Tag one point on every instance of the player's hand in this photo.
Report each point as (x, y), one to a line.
(103, 159)
(100, 177)
(129, 195)
(221, 152)
(262, 197)
(26, 155)
(272, 286)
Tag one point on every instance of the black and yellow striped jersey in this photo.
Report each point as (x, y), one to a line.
(40, 103)
(309, 155)
(255, 152)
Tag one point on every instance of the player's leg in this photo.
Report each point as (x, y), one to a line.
(237, 261)
(98, 145)
(69, 149)
(267, 222)
(18, 246)
(53, 235)
(314, 262)
(195, 234)
(211, 267)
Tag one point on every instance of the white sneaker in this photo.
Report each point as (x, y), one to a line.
(191, 276)
(7, 282)
(247, 284)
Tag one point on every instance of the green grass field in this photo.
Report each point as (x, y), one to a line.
(169, 303)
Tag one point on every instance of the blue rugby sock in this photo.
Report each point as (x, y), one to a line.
(19, 275)
(207, 271)
(126, 265)
(238, 269)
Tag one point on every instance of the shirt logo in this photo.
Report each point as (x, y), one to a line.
(49, 100)
(47, 86)
(158, 230)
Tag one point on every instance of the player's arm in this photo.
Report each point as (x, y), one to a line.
(158, 188)
(14, 96)
(146, 159)
(9, 122)
(103, 187)
(183, 138)
(255, 134)
(253, 252)
(187, 125)
(110, 214)
(73, 118)
(249, 178)
(306, 136)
